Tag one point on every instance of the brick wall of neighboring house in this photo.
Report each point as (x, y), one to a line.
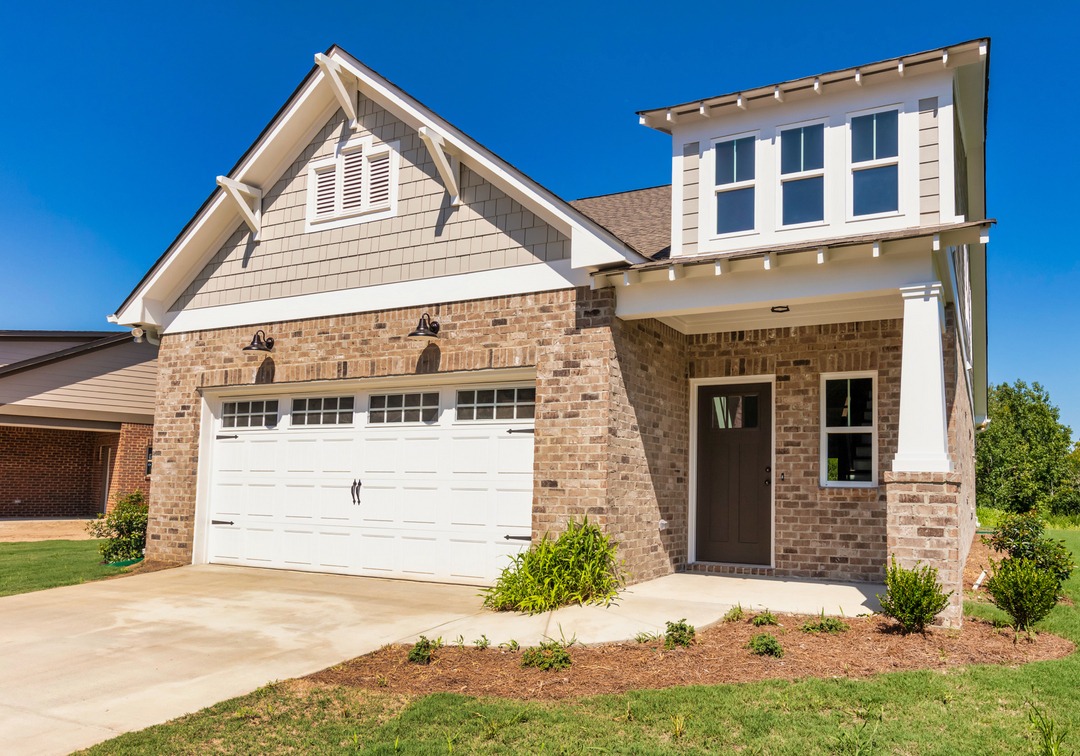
(46, 473)
(103, 446)
(129, 462)
(834, 533)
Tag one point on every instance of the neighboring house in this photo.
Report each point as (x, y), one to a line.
(76, 415)
(773, 366)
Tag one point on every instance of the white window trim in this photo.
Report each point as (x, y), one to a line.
(494, 421)
(364, 214)
(718, 188)
(782, 178)
(306, 398)
(279, 415)
(823, 441)
(439, 407)
(900, 161)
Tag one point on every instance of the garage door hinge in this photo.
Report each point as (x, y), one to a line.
(221, 522)
(223, 436)
(517, 538)
(522, 430)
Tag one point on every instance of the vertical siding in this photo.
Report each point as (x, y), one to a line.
(929, 163)
(691, 189)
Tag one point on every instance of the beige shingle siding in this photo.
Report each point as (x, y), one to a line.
(929, 165)
(426, 238)
(691, 194)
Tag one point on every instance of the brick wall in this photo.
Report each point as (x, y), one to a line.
(834, 533)
(129, 461)
(961, 426)
(103, 446)
(46, 473)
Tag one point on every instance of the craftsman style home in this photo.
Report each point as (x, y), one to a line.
(385, 351)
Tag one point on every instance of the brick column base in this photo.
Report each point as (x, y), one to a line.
(923, 523)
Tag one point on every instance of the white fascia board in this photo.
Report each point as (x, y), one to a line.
(696, 295)
(516, 184)
(522, 279)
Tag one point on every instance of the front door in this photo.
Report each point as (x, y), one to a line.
(734, 473)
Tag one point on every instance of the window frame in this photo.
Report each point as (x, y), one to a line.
(898, 160)
(515, 387)
(366, 212)
(224, 414)
(421, 423)
(353, 411)
(782, 178)
(717, 189)
(824, 431)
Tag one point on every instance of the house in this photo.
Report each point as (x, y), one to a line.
(76, 417)
(385, 351)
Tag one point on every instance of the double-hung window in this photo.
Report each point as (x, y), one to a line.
(802, 174)
(735, 185)
(358, 182)
(875, 172)
(848, 430)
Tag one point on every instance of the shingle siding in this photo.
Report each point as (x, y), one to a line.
(929, 163)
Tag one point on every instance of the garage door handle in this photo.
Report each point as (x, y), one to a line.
(221, 522)
(522, 430)
(517, 538)
(355, 491)
(221, 437)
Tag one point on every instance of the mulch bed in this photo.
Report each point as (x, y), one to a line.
(720, 655)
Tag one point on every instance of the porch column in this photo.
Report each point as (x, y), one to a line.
(922, 444)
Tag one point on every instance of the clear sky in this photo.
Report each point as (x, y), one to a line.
(115, 119)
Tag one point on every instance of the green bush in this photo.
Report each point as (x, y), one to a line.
(1066, 502)
(831, 625)
(1023, 590)
(124, 528)
(549, 655)
(579, 567)
(679, 634)
(422, 650)
(1021, 537)
(763, 619)
(765, 644)
(913, 597)
(735, 614)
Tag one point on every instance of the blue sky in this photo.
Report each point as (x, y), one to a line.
(116, 118)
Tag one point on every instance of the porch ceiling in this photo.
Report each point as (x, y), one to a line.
(802, 312)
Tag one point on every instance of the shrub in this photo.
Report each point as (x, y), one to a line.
(765, 644)
(678, 634)
(734, 614)
(124, 527)
(831, 625)
(423, 649)
(1021, 537)
(648, 637)
(1066, 502)
(577, 568)
(1022, 590)
(913, 597)
(482, 642)
(549, 655)
(763, 619)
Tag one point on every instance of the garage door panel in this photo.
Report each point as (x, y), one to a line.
(436, 500)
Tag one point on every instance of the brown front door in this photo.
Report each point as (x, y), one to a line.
(734, 473)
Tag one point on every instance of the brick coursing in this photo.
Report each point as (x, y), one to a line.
(129, 469)
(961, 426)
(47, 473)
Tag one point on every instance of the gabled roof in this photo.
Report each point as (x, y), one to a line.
(103, 340)
(306, 111)
(640, 217)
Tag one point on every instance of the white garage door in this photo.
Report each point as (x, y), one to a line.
(431, 484)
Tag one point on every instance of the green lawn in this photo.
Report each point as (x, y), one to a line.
(37, 565)
(978, 710)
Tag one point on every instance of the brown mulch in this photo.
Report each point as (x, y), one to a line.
(978, 560)
(720, 655)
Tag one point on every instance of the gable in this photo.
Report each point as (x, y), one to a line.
(425, 238)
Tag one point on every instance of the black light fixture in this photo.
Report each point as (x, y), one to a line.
(426, 328)
(259, 343)
(780, 308)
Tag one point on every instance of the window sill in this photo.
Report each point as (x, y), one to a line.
(875, 216)
(842, 485)
(734, 235)
(802, 226)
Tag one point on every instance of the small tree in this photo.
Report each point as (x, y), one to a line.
(1024, 591)
(124, 528)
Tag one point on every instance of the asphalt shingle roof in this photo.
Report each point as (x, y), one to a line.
(641, 218)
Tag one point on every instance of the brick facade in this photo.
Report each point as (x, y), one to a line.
(129, 469)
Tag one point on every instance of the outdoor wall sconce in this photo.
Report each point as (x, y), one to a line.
(426, 329)
(780, 308)
(259, 343)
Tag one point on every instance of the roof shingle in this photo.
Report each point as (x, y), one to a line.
(641, 218)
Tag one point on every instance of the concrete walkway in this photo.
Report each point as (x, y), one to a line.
(84, 663)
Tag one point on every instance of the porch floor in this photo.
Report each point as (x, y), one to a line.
(698, 598)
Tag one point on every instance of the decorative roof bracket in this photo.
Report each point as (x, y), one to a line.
(248, 199)
(345, 94)
(448, 165)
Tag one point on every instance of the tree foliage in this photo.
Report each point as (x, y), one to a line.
(1022, 459)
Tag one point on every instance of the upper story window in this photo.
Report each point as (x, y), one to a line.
(735, 185)
(875, 171)
(802, 174)
(358, 183)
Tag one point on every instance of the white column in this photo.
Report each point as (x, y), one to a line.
(923, 444)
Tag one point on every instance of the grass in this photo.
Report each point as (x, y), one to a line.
(981, 709)
(37, 565)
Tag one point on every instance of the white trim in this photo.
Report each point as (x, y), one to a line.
(823, 431)
(709, 214)
(521, 279)
(340, 218)
(695, 384)
(900, 161)
(782, 178)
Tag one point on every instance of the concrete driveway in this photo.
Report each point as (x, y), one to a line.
(84, 663)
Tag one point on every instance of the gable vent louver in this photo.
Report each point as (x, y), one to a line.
(380, 180)
(324, 192)
(352, 195)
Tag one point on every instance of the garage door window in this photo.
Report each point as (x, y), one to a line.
(331, 410)
(403, 408)
(496, 404)
(261, 414)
